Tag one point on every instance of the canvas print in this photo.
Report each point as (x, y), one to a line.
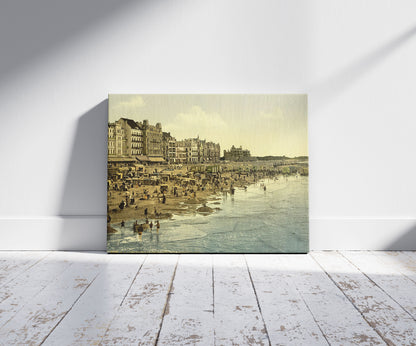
(207, 174)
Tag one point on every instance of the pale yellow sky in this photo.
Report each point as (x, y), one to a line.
(264, 124)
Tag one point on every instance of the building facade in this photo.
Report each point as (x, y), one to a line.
(152, 139)
(128, 138)
(125, 138)
(112, 139)
(116, 139)
(236, 154)
(211, 152)
(169, 147)
(133, 137)
(181, 152)
(195, 150)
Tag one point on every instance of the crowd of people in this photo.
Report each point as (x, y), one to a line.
(181, 191)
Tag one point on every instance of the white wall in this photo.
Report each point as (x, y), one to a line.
(355, 59)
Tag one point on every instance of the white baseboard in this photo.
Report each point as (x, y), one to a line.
(362, 234)
(53, 233)
(89, 233)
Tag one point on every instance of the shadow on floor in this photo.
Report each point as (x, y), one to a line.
(407, 242)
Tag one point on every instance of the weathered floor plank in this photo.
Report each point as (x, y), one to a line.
(14, 263)
(412, 257)
(339, 321)
(21, 290)
(388, 318)
(89, 319)
(403, 262)
(287, 317)
(396, 285)
(37, 318)
(238, 320)
(80, 299)
(139, 318)
(189, 318)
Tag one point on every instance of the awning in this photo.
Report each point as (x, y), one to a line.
(121, 159)
(144, 158)
(156, 159)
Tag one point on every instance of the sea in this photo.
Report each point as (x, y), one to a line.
(253, 220)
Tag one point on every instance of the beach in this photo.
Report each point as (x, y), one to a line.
(170, 191)
(253, 220)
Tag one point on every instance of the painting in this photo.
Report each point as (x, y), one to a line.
(207, 173)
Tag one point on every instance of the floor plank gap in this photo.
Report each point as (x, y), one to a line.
(167, 301)
(132, 282)
(66, 313)
(350, 300)
(382, 313)
(312, 314)
(379, 287)
(257, 300)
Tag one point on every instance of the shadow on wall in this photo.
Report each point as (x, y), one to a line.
(327, 90)
(324, 92)
(25, 27)
(84, 197)
(407, 242)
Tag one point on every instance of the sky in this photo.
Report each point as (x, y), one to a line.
(264, 124)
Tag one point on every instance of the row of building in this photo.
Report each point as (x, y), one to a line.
(129, 138)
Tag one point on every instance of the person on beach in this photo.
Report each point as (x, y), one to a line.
(139, 233)
(122, 223)
(264, 188)
(145, 212)
(157, 225)
(151, 226)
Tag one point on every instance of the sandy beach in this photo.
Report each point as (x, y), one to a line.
(182, 191)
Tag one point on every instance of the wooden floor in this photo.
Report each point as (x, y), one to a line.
(337, 298)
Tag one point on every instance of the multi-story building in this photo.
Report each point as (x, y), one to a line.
(169, 147)
(152, 139)
(202, 149)
(111, 139)
(136, 140)
(195, 150)
(172, 150)
(125, 138)
(116, 139)
(133, 136)
(181, 152)
(212, 152)
(236, 154)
